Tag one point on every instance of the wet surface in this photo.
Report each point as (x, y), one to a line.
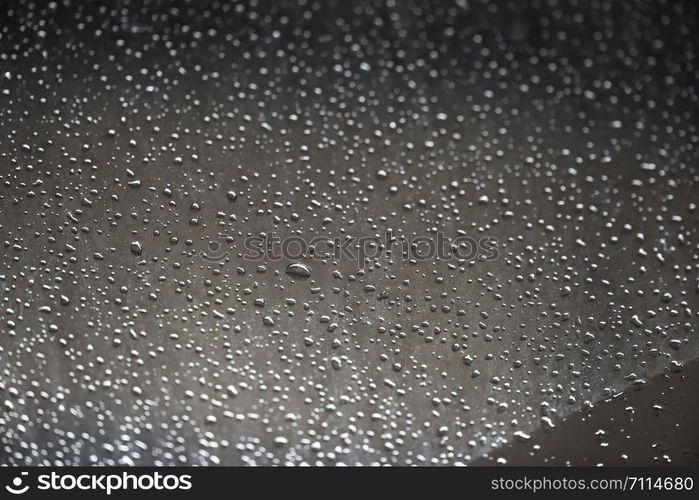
(165, 168)
(652, 424)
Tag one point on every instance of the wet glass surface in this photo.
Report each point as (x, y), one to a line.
(342, 232)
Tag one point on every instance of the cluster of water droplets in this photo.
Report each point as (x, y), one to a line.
(143, 146)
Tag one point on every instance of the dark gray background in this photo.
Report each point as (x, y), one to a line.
(566, 130)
